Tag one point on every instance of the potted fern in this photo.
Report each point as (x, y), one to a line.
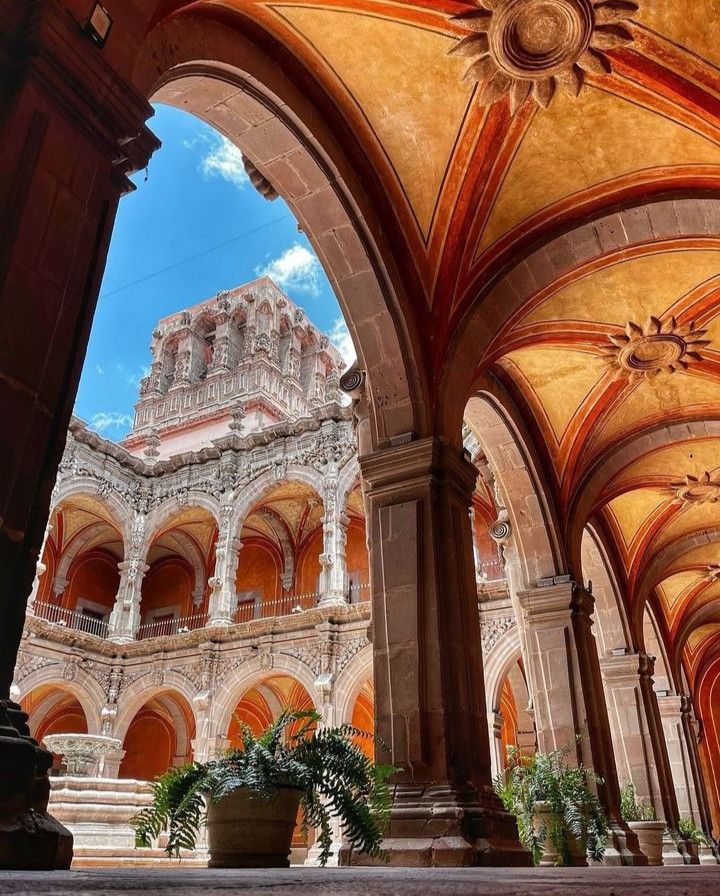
(698, 843)
(560, 819)
(249, 797)
(641, 818)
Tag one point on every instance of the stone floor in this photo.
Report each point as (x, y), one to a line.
(683, 881)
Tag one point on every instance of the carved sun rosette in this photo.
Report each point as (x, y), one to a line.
(703, 489)
(654, 348)
(527, 47)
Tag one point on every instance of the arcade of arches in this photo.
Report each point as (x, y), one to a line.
(515, 202)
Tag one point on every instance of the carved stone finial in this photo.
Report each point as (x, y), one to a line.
(521, 48)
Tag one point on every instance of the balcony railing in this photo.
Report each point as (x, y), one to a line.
(62, 616)
(178, 626)
(281, 606)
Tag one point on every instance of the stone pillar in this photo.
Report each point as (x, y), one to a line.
(497, 760)
(223, 597)
(124, 620)
(568, 699)
(672, 707)
(638, 739)
(333, 577)
(429, 691)
(70, 132)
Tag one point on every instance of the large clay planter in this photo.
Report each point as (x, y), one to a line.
(246, 831)
(650, 839)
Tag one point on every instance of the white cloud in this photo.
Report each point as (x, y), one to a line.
(341, 339)
(99, 369)
(134, 378)
(297, 268)
(219, 158)
(110, 420)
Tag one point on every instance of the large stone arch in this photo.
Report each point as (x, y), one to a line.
(218, 73)
(164, 512)
(349, 683)
(612, 626)
(262, 485)
(498, 662)
(250, 673)
(120, 513)
(83, 687)
(519, 477)
(136, 695)
(348, 477)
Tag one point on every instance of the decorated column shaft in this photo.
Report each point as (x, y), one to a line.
(125, 618)
(223, 596)
(333, 564)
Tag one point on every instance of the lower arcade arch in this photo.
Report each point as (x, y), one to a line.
(54, 709)
(158, 737)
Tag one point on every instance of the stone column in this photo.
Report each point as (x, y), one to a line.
(497, 760)
(70, 132)
(429, 691)
(125, 617)
(223, 597)
(568, 698)
(333, 577)
(638, 739)
(671, 707)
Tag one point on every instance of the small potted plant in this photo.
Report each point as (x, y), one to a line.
(698, 841)
(249, 797)
(560, 819)
(642, 819)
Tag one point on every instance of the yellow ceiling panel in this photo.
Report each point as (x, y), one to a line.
(659, 397)
(694, 518)
(633, 508)
(677, 461)
(586, 140)
(406, 85)
(560, 378)
(632, 290)
(687, 24)
(673, 587)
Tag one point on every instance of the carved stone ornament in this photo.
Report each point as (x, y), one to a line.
(703, 489)
(713, 573)
(492, 630)
(655, 348)
(521, 48)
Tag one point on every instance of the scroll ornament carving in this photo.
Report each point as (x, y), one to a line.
(349, 650)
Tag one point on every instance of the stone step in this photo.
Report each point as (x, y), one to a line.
(127, 857)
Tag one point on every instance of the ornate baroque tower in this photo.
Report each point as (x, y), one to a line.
(242, 361)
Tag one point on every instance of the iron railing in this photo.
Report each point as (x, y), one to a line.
(62, 616)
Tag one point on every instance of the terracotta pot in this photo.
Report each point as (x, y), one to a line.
(246, 831)
(650, 839)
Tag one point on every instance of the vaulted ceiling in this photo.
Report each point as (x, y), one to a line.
(545, 174)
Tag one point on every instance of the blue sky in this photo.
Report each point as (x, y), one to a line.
(195, 226)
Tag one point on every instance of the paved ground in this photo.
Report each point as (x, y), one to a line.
(683, 881)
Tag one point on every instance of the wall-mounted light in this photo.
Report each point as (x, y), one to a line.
(98, 25)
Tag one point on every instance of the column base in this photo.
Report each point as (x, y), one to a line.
(437, 827)
(34, 841)
(623, 848)
(30, 838)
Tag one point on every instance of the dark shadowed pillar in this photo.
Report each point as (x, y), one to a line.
(70, 132)
(429, 692)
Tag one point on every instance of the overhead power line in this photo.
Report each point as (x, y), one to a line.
(190, 258)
